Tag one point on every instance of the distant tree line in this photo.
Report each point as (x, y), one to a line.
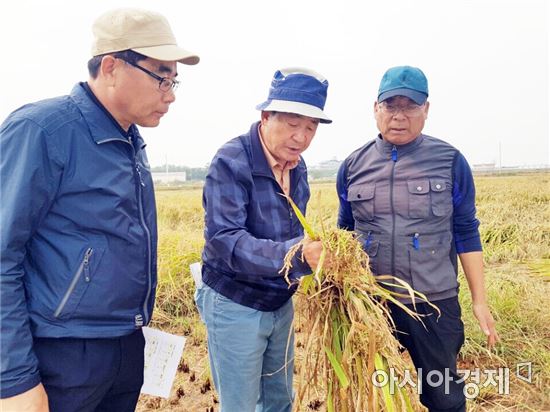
(192, 173)
(199, 173)
(316, 174)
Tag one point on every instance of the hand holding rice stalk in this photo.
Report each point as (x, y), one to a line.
(349, 329)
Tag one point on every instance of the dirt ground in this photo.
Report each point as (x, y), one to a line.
(192, 390)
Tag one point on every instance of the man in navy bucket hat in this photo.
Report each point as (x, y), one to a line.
(410, 198)
(244, 299)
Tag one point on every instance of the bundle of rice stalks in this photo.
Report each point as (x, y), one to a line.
(350, 350)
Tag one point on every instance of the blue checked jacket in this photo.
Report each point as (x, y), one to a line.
(249, 226)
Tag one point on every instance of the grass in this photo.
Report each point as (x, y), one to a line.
(180, 220)
(515, 227)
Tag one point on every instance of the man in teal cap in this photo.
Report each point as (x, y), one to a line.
(411, 199)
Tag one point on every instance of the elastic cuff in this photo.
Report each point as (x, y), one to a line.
(299, 266)
(469, 245)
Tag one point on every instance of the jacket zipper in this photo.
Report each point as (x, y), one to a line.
(394, 159)
(139, 321)
(83, 268)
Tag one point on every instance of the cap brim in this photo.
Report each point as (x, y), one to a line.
(287, 106)
(168, 52)
(416, 96)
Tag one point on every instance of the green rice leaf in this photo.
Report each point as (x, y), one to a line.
(382, 364)
(307, 227)
(338, 370)
(330, 403)
(405, 400)
(306, 283)
(320, 266)
(336, 346)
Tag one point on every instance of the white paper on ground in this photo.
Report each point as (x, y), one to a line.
(196, 272)
(162, 356)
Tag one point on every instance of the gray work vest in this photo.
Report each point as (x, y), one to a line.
(401, 200)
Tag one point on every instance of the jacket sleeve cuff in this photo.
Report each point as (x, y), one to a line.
(7, 390)
(299, 266)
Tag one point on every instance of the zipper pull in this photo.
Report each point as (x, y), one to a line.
(86, 264)
(416, 242)
(138, 169)
(394, 153)
(369, 238)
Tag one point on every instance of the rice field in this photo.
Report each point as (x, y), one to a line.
(515, 228)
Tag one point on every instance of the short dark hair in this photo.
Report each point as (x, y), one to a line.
(128, 55)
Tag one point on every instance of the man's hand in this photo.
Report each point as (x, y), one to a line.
(312, 252)
(34, 400)
(472, 263)
(486, 323)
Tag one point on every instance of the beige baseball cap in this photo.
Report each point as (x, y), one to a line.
(142, 31)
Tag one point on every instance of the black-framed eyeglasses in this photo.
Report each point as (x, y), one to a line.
(165, 84)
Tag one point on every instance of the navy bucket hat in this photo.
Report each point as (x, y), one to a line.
(404, 81)
(297, 90)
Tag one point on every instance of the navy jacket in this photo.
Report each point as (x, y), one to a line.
(78, 230)
(250, 226)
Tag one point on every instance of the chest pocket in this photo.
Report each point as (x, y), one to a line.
(428, 196)
(361, 198)
(419, 198)
(442, 202)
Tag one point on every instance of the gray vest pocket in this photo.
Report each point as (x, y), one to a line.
(371, 248)
(429, 195)
(361, 198)
(419, 198)
(430, 265)
(441, 197)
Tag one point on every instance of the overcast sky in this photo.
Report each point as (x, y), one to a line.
(487, 63)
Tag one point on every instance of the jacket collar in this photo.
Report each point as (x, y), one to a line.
(386, 147)
(103, 128)
(260, 166)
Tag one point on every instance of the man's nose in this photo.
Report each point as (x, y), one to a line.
(302, 135)
(169, 96)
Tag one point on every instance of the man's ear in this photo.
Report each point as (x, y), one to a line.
(265, 116)
(426, 110)
(375, 109)
(108, 69)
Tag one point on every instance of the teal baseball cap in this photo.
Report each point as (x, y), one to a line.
(405, 81)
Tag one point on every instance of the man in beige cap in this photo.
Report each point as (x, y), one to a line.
(78, 225)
